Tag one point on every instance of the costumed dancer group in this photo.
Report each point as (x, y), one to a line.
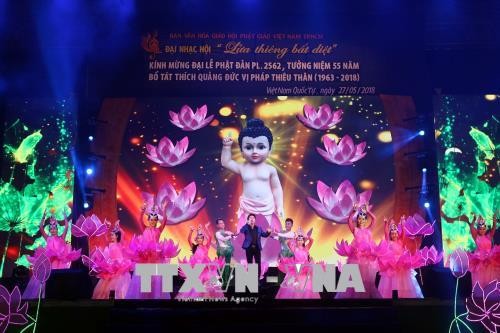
(260, 239)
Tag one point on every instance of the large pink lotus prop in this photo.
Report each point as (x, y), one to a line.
(459, 263)
(188, 120)
(431, 255)
(168, 155)
(11, 310)
(89, 227)
(417, 226)
(484, 305)
(336, 206)
(42, 268)
(321, 119)
(177, 207)
(343, 153)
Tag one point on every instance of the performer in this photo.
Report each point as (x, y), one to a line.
(110, 266)
(224, 248)
(284, 236)
(252, 244)
(148, 248)
(57, 250)
(298, 270)
(210, 275)
(485, 260)
(362, 251)
(397, 265)
(262, 192)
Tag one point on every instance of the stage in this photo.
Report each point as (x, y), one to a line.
(349, 148)
(426, 315)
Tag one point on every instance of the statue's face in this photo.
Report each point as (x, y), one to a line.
(255, 150)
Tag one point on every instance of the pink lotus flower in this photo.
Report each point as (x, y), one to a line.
(484, 305)
(105, 265)
(42, 268)
(431, 255)
(179, 207)
(11, 311)
(93, 261)
(143, 250)
(189, 121)
(459, 263)
(322, 119)
(168, 155)
(344, 249)
(345, 153)
(336, 206)
(417, 226)
(212, 267)
(89, 227)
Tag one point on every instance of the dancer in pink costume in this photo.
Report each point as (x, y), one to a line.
(147, 248)
(262, 192)
(362, 251)
(110, 266)
(485, 260)
(298, 279)
(210, 275)
(397, 265)
(57, 250)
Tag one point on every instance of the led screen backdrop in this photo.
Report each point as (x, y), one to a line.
(37, 170)
(467, 130)
(293, 154)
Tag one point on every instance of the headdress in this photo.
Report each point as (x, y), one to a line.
(114, 228)
(52, 222)
(299, 234)
(362, 212)
(153, 215)
(199, 232)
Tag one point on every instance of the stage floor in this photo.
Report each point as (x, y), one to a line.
(306, 316)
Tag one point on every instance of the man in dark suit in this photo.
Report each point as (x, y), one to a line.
(251, 244)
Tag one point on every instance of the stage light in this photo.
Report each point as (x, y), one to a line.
(89, 171)
(86, 205)
(366, 184)
(424, 169)
(229, 132)
(421, 132)
(282, 98)
(490, 97)
(225, 111)
(384, 136)
(331, 136)
(279, 108)
(91, 138)
(427, 204)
